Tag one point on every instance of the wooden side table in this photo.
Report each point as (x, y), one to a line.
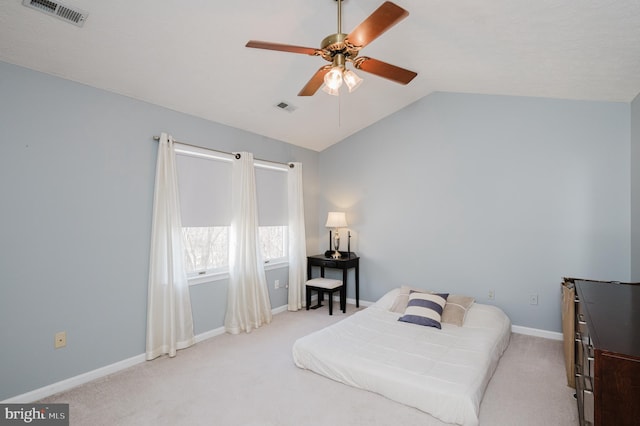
(346, 262)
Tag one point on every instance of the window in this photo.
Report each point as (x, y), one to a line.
(204, 185)
(206, 248)
(271, 189)
(204, 188)
(273, 242)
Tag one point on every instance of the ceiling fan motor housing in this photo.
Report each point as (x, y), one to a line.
(335, 44)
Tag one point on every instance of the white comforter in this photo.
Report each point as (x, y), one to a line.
(442, 372)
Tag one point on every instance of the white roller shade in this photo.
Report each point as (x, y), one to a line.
(271, 188)
(204, 185)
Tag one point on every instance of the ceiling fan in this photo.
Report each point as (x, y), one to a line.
(340, 49)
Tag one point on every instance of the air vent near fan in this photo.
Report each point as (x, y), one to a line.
(68, 14)
(286, 106)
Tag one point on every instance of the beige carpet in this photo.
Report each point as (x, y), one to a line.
(250, 380)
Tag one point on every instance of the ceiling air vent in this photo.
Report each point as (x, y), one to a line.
(73, 16)
(286, 106)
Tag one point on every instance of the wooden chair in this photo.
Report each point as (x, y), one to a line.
(329, 286)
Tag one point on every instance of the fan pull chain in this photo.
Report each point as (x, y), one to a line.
(339, 110)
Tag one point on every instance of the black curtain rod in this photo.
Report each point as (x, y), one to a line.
(236, 155)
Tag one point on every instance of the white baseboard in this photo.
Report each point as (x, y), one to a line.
(72, 382)
(83, 378)
(362, 302)
(554, 335)
(280, 309)
(209, 334)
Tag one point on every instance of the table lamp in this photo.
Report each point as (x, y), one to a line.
(336, 220)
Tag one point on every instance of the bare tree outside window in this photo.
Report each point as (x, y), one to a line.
(205, 248)
(273, 240)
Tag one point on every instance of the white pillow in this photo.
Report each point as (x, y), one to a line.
(388, 299)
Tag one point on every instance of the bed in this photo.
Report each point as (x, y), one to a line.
(443, 372)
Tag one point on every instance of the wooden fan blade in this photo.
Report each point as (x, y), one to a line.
(383, 18)
(316, 81)
(385, 70)
(282, 47)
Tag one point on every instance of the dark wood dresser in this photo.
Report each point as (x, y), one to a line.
(607, 353)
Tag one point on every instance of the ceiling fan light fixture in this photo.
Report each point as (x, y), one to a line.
(333, 79)
(351, 79)
(330, 91)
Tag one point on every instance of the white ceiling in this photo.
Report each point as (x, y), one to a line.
(190, 56)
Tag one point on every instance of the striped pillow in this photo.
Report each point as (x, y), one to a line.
(425, 309)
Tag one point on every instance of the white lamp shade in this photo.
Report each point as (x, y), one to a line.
(336, 220)
(352, 80)
(333, 79)
(329, 90)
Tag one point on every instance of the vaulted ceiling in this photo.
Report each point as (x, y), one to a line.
(190, 56)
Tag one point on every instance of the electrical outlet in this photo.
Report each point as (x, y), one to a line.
(276, 284)
(491, 295)
(60, 340)
(533, 299)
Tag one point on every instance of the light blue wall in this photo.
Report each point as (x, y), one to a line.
(635, 189)
(76, 189)
(471, 193)
(464, 193)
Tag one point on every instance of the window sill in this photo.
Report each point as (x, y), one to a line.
(224, 274)
(276, 264)
(209, 278)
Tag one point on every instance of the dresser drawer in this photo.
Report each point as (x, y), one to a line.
(579, 308)
(581, 323)
(584, 354)
(588, 361)
(587, 400)
(580, 393)
(579, 348)
(325, 263)
(584, 395)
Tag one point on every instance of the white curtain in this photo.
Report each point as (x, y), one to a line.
(297, 239)
(169, 317)
(248, 304)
